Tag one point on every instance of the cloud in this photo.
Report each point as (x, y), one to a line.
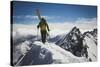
(52, 19)
(86, 20)
(57, 27)
(35, 17)
(25, 16)
(84, 24)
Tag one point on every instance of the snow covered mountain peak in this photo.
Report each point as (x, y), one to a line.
(75, 30)
(72, 41)
(75, 42)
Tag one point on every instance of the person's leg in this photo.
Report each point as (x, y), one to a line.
(43, 36)
(43, 39)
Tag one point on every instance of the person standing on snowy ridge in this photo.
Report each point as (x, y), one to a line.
(43, 29)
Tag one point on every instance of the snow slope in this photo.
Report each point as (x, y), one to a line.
(52, 52)
(92, 50)
(59, 53)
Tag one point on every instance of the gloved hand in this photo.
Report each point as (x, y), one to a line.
(48, 29)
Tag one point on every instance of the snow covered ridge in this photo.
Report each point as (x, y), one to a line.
(48, 53)
(80, 44)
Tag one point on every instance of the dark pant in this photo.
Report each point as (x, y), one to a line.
(43, 36)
